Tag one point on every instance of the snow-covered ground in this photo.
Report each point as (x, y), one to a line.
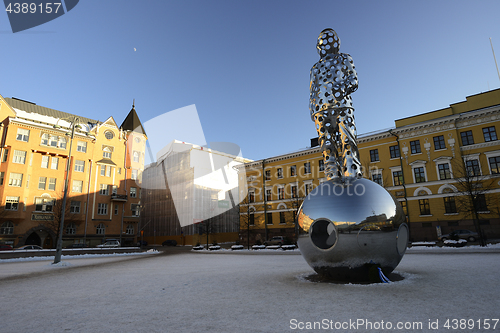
(216, 292)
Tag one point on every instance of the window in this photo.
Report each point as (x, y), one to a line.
(71, 229)
(74, 207)
(77, 186)
(419, 175)
(321, 165)
(439, 142)
(282, 218)
(53, 140)
(424, 207)
(136, 156)
(54, 163)
(45, 161)
(268, 195)
(403, 205)
(293, 171)
(294, 191)
(108, 171)
(103, 189)
(251, 196)
(308, 188)
(374, 155)
(130, 229)
(7, 228)
(280, 172)
(42, 182)
(472, 167)
(307, 168)
(44, 204)
(467, 138)
(109, 135)
(100, 229)
(489, 134)
(102, 209)
(394, 151)
(62, 142)
(397, 176)
(16, 179)
(135, 209)
(52, 184)
(252, 219)
(449, 205)
(133, 192)
(444, 171)
(269, 218)
(268, 174)
(134, 175)
(377, 178)
(415, 147)
(281, 193)
(103, 170)
(23, 134)
(480, 203)
(116, 209)
(79, 166)
(5, 155)
(2, 176)
(81, 146)
(106, 152)
(11, 203)
(114, 190)
(19, 157)
(45, 139)
(494, 165)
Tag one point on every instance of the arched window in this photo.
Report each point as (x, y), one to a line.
(100, 229)
(7, 228)
(130, 229)
(71, 229)
(106, 152)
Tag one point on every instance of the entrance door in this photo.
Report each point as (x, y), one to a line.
(33, 239)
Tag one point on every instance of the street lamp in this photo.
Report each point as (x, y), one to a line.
(74, 124)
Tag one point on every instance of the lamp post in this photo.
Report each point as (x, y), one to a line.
(57, 257)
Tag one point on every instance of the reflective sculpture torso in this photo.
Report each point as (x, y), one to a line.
(333, 79)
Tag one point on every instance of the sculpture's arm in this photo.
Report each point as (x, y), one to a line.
(351, 82)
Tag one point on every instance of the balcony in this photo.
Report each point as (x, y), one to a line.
(119, 197)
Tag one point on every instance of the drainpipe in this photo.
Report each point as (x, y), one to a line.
(264, 194)
(87, 205)
(404, 183)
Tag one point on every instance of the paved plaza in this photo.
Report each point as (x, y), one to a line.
(197, 292)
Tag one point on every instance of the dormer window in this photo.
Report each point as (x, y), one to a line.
(106, 152)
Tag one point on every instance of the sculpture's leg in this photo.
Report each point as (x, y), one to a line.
(329, 139)
(351, 166)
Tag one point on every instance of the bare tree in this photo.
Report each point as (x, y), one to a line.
(472, 198)
(69, 218)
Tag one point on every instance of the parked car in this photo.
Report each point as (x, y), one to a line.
(110, 243)
(461, 234)
(276, 240)
(4, 247)
(30, 247)
(142, 243)
(169, 242)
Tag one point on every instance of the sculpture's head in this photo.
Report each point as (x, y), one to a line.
(328, 42)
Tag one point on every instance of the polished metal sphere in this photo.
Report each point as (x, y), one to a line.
(349, 230)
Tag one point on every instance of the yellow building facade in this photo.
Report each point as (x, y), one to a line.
(103, 198)
(422, 161)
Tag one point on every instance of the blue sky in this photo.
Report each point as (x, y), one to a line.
(245, 64)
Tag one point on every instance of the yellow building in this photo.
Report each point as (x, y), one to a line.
(423, 162)
(103, 195)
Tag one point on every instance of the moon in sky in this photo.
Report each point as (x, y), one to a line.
(135, 49)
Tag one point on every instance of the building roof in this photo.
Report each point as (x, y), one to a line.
(132, 122)
(33, 108)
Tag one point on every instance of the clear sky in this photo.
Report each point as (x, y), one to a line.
(245, 64)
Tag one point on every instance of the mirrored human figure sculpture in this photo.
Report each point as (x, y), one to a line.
(333, 79)
(350, 228)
